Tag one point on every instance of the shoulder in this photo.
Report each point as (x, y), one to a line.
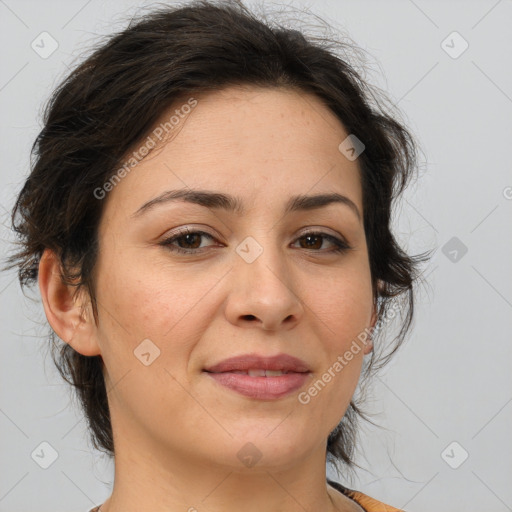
(368, 504)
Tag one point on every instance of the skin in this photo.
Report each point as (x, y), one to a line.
(176, 431)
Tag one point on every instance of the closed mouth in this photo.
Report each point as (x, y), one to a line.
(260, 372)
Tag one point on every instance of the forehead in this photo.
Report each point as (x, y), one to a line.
(257, 143)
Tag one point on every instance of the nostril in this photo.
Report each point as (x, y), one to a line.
(249, 317)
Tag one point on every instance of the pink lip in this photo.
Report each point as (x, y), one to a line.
(262, 388)
(246, 362)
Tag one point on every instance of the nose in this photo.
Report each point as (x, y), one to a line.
(264, 293)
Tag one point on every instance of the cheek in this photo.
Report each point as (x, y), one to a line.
(342, 308)
(138, 301)
(344, 304)
(149, 326)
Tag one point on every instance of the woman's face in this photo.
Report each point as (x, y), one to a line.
(254, 283)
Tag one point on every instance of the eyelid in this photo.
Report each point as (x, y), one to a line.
(193, 228)
(170, 237)
(339, 242)
(320, 230)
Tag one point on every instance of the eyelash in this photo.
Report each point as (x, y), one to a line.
(340, 245)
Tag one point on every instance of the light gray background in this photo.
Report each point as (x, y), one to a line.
(450, 382)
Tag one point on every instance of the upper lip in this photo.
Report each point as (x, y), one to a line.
(283, 362)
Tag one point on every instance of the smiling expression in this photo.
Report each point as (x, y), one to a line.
(242, 235)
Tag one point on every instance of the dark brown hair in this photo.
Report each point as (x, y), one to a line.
(113, 99)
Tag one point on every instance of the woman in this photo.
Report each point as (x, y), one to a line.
(208, 220)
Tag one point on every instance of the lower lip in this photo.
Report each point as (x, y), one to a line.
(262, 388)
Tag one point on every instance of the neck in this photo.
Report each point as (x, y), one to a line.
(153, 480)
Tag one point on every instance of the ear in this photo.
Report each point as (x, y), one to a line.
(69, 313)
(373, 322)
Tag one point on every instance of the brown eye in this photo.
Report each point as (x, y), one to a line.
(314, 241)
(188, 242)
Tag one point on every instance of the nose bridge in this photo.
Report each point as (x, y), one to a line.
(263, 284)
(261, 260)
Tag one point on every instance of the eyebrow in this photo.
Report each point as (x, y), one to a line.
(217, 200)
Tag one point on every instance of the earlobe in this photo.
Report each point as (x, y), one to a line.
(67, 311)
